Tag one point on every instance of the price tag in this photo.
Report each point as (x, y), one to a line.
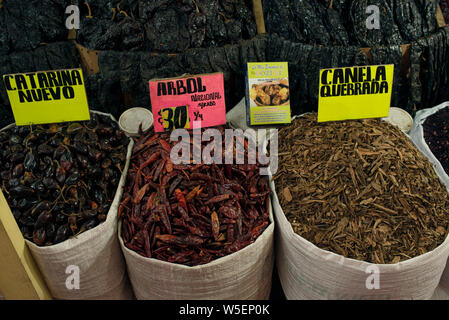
(178, 102)
(355, 92)
(174, 118)
(47, 96)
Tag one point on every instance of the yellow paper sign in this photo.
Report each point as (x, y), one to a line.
(355, 92)
(47, 96)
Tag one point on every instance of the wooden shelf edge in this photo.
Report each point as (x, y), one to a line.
(20, 278)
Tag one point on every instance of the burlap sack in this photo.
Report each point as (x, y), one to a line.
(417, 136)
(96, 253)
(243, 275)
(308, 272)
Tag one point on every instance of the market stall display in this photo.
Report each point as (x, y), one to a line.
(360, 193)
(206, 217)
(428, 135)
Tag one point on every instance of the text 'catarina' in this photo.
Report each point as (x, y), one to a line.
(44, 86)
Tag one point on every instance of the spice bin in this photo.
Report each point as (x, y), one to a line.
(195, 231)
(324, 267)
(354, 205)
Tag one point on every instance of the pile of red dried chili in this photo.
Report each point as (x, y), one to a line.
(190, 214)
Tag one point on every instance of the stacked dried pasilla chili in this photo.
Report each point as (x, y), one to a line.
(190, 214)
(60, 179)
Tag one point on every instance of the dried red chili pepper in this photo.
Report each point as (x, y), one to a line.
(219, 198)
(150, 200)
(215, 225)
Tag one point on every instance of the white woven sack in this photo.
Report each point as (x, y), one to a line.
(308, 272)
(96, 253)
(243, 275)
(417, 136)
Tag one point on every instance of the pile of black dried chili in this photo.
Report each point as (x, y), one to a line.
(164, 26)
(60, 179)
(436, 135)
(190, 214)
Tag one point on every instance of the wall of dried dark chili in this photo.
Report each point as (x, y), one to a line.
(144, 39)
(335, 29)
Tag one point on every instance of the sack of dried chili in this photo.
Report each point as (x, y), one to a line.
(63, 183)
(195, 231)
(430, 135)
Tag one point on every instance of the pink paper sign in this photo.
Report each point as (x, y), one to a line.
(178, 102)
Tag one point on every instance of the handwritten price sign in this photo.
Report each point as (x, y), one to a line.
(177, 102)
(174, 118)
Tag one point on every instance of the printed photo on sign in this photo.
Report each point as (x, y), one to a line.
(267, 93)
